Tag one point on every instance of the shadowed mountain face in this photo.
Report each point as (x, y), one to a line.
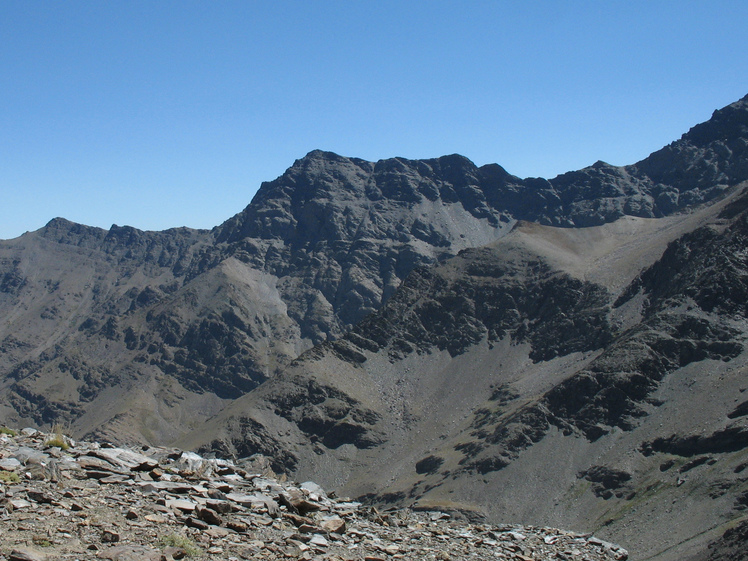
(424, 331)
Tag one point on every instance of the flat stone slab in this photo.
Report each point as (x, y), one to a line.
(181, 504)
(125, 459)
(10, 464)
(131, 553)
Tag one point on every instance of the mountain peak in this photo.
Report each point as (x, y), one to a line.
(322, 155)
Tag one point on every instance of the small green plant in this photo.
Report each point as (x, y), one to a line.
(9, 476)
(177, 540)
(6, 430)
(57, 438)
(41, 541)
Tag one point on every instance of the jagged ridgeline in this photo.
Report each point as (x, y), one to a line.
(422, 330)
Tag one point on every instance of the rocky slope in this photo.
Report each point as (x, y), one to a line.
(469, 325)
(94, 502)
(120, 331)
(537, 379)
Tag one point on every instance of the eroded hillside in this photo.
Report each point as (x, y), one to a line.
(510, 382)
(422, 330)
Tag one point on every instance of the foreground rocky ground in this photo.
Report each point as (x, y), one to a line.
(83, 500)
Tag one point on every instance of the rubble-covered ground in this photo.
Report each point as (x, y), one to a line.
(82, 500)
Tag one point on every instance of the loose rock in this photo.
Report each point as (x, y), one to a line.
(96, 505)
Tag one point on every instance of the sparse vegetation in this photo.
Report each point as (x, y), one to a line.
(58, 442)
(178, 540)
(9, 476)
(41, 541)
(6, 430)
(57, 438)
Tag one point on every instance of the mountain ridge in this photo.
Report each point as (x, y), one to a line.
(353, 304)
(588, 372)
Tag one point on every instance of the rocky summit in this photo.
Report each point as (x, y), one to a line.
(421, 335)
(82, 500)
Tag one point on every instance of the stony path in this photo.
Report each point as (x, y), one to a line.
(97, 502)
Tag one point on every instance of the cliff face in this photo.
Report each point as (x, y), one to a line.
(344, 232)
(431, 324)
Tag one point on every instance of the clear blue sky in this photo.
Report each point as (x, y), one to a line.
(160, 114)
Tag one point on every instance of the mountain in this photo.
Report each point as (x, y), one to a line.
(593, 375)
(425, 332)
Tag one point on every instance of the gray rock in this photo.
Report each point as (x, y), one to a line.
(181, 504)
(125, 459)
(130, 553)
(9, 464)
(28, 456)
(313, 489)
(26, 555)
